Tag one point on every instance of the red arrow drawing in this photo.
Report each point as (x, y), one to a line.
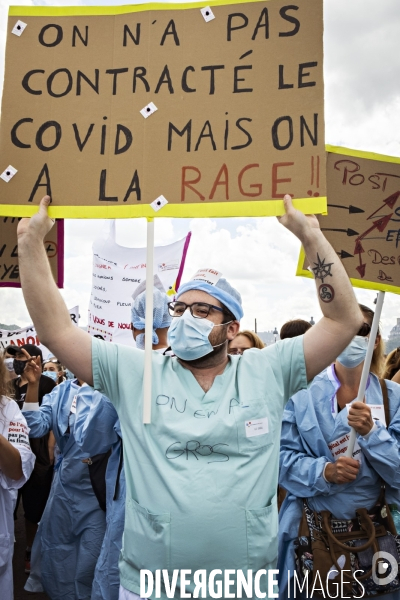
(361, 269)
(390, 202)
(360, 250)
(380, 225)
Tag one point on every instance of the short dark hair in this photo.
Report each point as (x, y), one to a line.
(294, 328)
(228, 316)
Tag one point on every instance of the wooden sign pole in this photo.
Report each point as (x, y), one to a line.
(148, 332)
(367, 365)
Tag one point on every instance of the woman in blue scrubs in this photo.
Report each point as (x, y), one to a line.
(312, 461)
(72, 528)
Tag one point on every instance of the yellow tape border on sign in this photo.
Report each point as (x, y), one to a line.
(358, 283)
(76, 11)
(260, 208)
(362, 154)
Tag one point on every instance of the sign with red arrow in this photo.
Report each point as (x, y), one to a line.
(363, 221)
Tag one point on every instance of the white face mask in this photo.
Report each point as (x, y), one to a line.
(9, 363)
(354, 354)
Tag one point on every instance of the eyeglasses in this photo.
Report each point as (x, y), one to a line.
(51, 360)
(199, 310)
(237, 351)
(364, 330)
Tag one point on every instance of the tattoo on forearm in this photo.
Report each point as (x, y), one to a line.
(326, 292)
(322, 269)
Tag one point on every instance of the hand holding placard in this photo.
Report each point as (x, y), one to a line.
(39, 224)
(294, 220)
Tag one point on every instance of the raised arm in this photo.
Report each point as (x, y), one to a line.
(71, 345)
(342, 317)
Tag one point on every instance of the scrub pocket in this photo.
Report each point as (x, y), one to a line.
(5, 551)
(248, 417)
(147, 537)
(262, 535)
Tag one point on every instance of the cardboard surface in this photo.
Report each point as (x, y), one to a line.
(239, 119)
(363, 221)
(54, 244)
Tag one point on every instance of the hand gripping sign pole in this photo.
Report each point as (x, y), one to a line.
(367, 365)
(148, 331)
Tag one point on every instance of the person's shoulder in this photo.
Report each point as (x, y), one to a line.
(9, 408)
(113, 348)
(317, 390)
(5, 401)
(393, 389)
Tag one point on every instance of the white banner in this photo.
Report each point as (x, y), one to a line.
(28, 335)
(117, 272)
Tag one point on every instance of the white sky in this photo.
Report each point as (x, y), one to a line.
(258, 256)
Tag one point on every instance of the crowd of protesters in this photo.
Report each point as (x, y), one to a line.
(105, 496)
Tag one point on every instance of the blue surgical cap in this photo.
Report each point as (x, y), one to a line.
(222, 291)
(161, 316)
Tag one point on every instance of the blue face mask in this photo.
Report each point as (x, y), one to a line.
(188, 337)
(52, 374)
(354, 354)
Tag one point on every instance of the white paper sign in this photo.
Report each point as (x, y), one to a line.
(339, 446)
(207, 275)
(73, 405)
(256, 427)
(117, 272)
(378, 413)
(28, 335)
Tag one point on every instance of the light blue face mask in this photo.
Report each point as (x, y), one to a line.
(189, 337)
(52, 374)
(354, 354)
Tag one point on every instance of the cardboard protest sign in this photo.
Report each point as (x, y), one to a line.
(157, 111)
(363, 222)
(28, 335)
(54, 245)
(118, 272)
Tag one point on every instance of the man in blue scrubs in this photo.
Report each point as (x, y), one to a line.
(201, 480)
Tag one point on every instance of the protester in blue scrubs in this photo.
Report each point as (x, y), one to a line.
(201, 478)
(72, 527)
(97, 429)
(315, 422)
